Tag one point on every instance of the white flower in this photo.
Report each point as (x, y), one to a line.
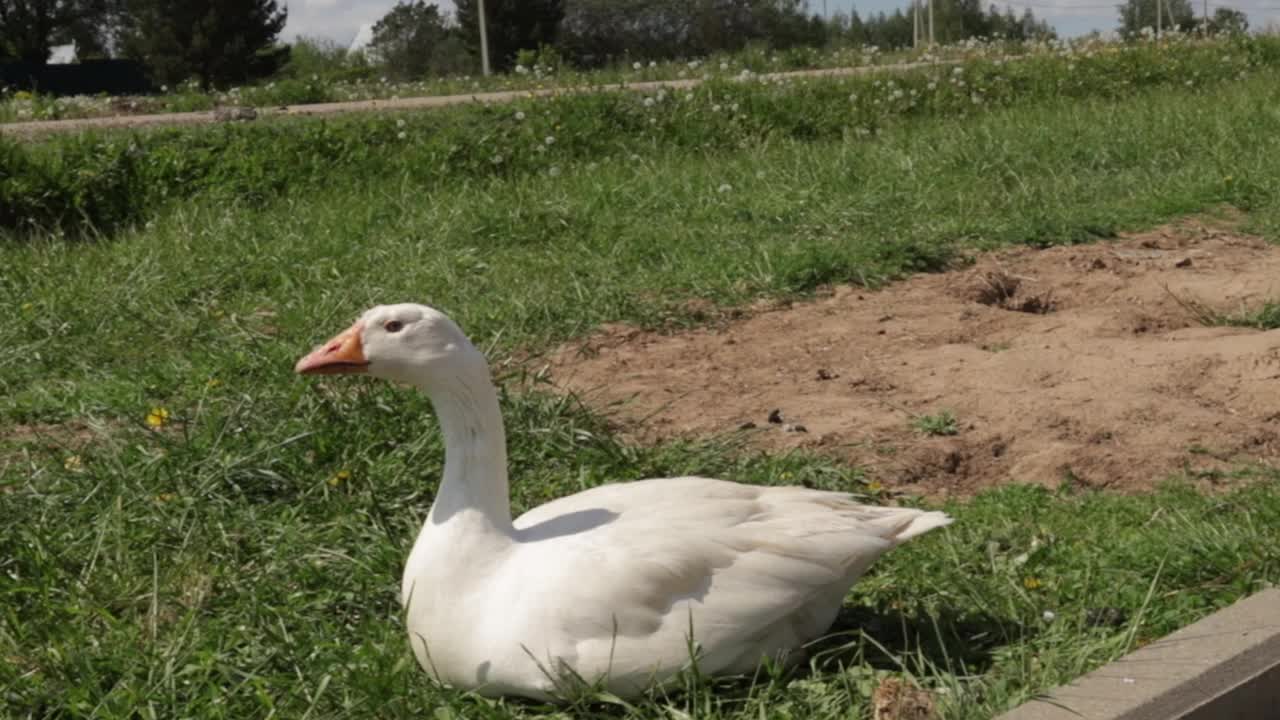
(519, 115)
(648, 102)
(314, 77)
(636, 65)
(496, 159)
(724, 188)
(733, 107)
(164, 88)
(715, 108)
(653, 63)
(724, 66)
(1048, 615)
(550, 140)
(759, 174)
(554, 171)
(522, 70)
(957, 71)
(400, 123)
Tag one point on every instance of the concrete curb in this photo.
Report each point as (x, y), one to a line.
(1225, 667)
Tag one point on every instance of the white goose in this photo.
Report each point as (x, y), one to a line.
(604, 586)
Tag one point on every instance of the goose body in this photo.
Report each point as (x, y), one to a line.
(618, 585)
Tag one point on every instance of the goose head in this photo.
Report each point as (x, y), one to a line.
(406, 343)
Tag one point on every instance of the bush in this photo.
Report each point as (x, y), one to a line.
(77, 184)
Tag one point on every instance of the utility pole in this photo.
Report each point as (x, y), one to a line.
(1159, 17)
(484, 38)
(931, 22)
(915, 24)
(1205, 29)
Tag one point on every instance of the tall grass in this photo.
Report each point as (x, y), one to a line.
(99, 182)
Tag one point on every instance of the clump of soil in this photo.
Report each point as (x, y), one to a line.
(1100, 376)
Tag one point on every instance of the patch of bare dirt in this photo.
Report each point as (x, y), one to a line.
(1081, 362)
(74, 434)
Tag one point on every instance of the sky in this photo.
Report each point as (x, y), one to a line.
(338, 20)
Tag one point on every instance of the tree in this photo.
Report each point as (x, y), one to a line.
(30, 28)
(1228, 21)
(596, 31)
(513, 25)
(217, 41)
(1138, 14)
(414, 40)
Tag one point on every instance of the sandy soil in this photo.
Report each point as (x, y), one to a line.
(1086, 363)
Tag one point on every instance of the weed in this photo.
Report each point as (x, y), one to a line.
(942, 424)
(1264, 317)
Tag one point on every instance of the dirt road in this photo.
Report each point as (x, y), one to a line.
(41, 128)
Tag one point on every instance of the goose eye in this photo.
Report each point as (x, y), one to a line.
(393, 326)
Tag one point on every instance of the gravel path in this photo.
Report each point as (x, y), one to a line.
(40, 128)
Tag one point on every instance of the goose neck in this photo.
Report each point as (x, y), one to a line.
(474, 489)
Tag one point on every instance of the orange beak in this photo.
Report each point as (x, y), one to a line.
(344, 354)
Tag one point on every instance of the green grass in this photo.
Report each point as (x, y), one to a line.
(99, 183)
(1263, 317)
(1266, 317)
(243, 559)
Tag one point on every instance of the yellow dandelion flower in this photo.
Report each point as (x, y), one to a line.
(213, 383)
(1228, 179)
(157, 418)
(1031, 583)
(73, 463)
(165, 497)
(340, 477)
(875, 486)
(26, 307)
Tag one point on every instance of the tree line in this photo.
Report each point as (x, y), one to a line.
(213, 41)
(222, 42)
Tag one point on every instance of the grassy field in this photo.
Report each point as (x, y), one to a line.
(192, 531)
